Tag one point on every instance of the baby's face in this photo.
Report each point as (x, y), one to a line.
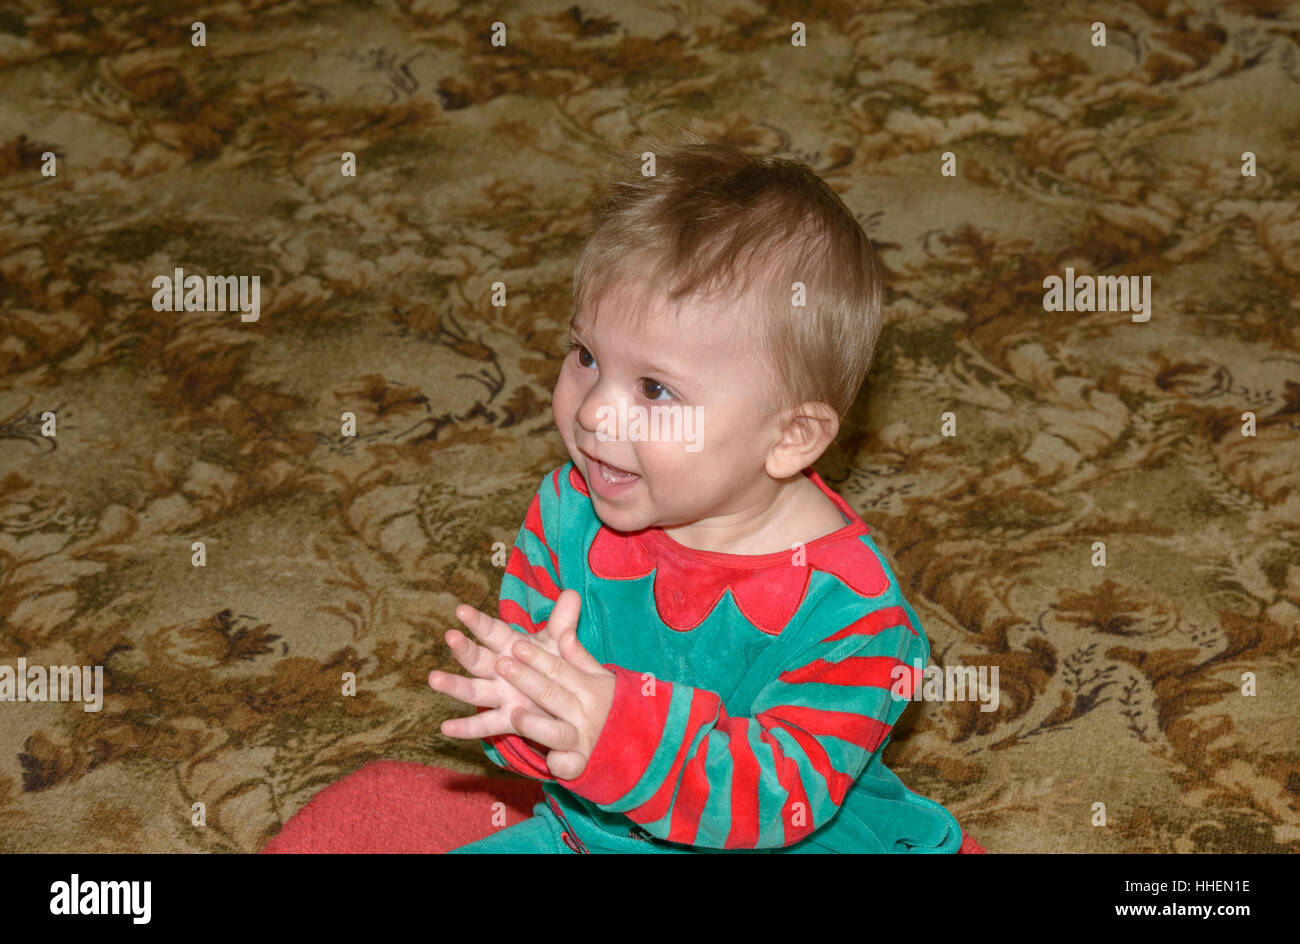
(649, 358)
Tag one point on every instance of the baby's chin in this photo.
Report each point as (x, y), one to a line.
(625, 521)
(630, 521)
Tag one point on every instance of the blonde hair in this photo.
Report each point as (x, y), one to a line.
(723, 225)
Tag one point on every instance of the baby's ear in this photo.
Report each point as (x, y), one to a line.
(808, 431)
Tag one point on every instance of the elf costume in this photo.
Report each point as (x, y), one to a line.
(753, 697)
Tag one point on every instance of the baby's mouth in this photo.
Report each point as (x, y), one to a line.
(612, 474)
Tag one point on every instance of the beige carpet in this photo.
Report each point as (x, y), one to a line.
(1120, 685)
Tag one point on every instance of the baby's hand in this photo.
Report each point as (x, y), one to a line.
(488, 689)
(576, 691)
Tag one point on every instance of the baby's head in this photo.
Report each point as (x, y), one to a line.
(685, 296)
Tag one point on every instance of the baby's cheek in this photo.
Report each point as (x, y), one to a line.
(563, 417)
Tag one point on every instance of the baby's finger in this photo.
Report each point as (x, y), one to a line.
(475, 658)
(493, 633)
(549, 732)
(544, 679)
(566, 765)
(477, 692)
(486, 724)
(552, 666)
(564, 615)
(573, 651)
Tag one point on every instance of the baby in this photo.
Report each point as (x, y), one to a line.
(700, 647)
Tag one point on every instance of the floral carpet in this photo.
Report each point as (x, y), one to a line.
(1110, 515)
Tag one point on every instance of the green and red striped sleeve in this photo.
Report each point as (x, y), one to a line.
(529, 590)
(678, 764)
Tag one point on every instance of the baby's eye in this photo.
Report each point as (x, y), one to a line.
(575, 346)
(650, 386)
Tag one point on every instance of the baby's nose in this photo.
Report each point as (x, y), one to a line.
(598, 408)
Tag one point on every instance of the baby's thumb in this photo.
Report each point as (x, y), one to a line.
(572, 650)
(566, 765)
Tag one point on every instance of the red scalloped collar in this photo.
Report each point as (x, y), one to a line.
(768, 589)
